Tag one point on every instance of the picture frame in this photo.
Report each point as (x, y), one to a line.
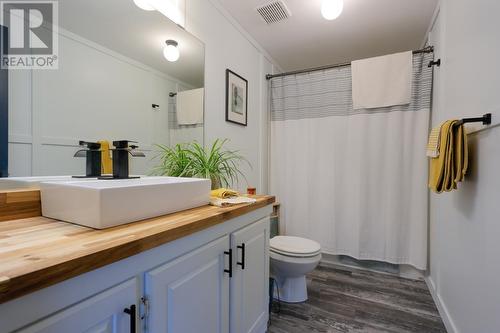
(236, 98)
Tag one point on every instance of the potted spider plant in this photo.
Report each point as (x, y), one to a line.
(216, 163)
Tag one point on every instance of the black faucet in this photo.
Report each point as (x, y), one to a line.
(120, 158)
(92, 153)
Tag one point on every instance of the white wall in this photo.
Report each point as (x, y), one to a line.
(227, 46)
(465, 224)
(95, 94)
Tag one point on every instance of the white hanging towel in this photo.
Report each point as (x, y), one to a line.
(190, 107)
(382, 81)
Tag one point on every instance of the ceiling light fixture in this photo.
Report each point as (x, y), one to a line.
(144, 4)
(171, 51)
(173, 9)
(331, 9)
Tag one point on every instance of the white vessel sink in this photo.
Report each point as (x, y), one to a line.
(34, 181)
(105, 203)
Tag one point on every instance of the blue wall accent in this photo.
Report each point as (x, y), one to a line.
(4, 111)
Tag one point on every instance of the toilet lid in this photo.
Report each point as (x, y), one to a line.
(294, 246)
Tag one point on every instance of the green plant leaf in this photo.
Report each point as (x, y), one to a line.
(216, 163)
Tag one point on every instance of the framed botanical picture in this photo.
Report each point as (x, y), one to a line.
(236, 98)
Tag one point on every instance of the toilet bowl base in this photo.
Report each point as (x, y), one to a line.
(291, 290)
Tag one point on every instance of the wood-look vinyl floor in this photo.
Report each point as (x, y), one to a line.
(343, 300)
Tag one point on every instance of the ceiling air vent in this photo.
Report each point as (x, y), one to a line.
(274, 11)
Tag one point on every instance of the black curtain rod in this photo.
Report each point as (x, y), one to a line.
(428, 49)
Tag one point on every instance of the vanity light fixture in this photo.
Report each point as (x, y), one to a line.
(144, 4)
(331, 9)
(171, 51)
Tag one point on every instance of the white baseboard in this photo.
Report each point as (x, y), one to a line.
(443, 311)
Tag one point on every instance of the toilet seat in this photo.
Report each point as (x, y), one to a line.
(294, 259)
(296, 247)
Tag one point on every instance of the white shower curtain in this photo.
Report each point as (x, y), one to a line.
(353, 180)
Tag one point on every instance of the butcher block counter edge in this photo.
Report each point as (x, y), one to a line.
(65, 250)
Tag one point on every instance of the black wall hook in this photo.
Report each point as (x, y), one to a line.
(434, 62)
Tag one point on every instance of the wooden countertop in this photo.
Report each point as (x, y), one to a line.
(19, 204)
(38, 252)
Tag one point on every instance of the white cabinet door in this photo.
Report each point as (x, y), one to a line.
(103, 313)
(250, 282)
(191, 293)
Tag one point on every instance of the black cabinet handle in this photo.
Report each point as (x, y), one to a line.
(132, 313)
(230, 270)
(242, 248)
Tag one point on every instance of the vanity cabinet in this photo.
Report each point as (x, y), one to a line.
(212, 281)
(102, 313)
(191, 293)
(250, 282)
(219, 288)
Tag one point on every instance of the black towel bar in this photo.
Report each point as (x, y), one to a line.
(485, 119)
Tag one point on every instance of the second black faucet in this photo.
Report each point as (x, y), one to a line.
(121, 160)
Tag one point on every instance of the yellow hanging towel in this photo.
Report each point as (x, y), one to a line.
(462, 156)
(106, 161)
(433, 144)
(438, 164)
(450, 166)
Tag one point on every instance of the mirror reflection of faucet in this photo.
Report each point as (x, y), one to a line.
(120, 152)
(92, 152)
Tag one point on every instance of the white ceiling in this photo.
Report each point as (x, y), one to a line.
(121, 26)
(366, 28)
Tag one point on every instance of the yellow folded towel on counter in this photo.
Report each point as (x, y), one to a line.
(450, 166)
(218, 202)
(224, 197)
(106, 162)
(223, 193)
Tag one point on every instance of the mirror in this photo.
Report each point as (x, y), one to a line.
(113, 82)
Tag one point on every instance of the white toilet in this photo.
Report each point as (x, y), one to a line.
(291, 259)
